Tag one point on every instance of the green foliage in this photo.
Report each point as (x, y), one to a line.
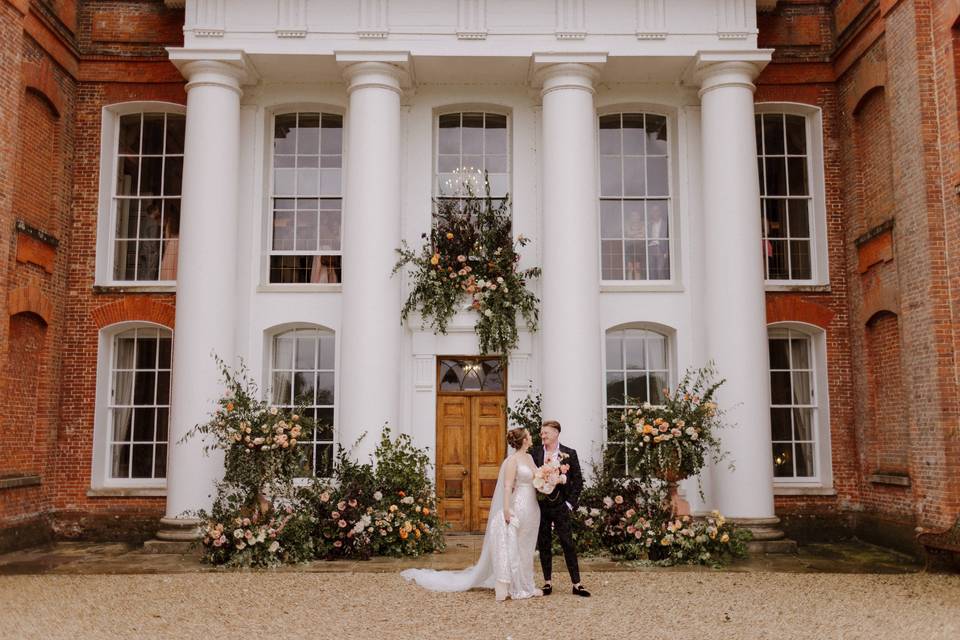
(527, 413)
(672, 440)
(384, 507)
(470, 252)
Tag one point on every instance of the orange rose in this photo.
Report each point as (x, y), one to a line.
(403, 534)
(426, 511)
(449, 236)
(229, 406)
(401, 493)
(435, 259)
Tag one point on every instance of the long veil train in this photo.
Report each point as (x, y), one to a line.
(481, 574)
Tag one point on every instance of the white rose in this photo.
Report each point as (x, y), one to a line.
(273, 547)
(377, 495)
(488, 313)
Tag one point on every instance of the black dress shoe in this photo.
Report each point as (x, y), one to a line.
(580, 591)
(547, 589)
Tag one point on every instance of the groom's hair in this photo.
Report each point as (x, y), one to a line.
(552, 423)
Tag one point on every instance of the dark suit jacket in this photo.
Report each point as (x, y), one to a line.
(568, 492)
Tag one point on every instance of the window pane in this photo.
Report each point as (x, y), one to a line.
(283, 353)
(283, 226)
(282, 388)
(611, 183)
(614, 353)
(153, 134)
(634, 223)
(612, 259)
(128, 170)
(776, 218)
(804, 461)
(160, 461)
(658, 183)
(120, 461)
(611, 223)
(143, 419)
(151, 176)
(635, 352)
(656, 352)
(284, 140)
(798, 176)
(657, 219)
(176, 125)
(308, 133)
(146, 353)
(615, 387)
(496, 134)
(144, 387)
(780, 423)
(635, 259)
(779, 353)
(472, 133)
(777, 268)
(141, 464)
(303, 388)
(800, 263)
(634, 178)
(637, 388)
(775, 170)
(610, 135)
(796, 135)
(803, 424)
(656, 135)
(758, 124)
(129, 137)
(780, 387)
(773, 134)
(782, 460)
(122, 424)
(800, 353)
(172, 176)
(122, 388)
(633, 134)
(799, 219)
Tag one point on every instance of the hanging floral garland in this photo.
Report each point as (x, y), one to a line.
(470, 254)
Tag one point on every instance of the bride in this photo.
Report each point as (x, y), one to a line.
(506, 561)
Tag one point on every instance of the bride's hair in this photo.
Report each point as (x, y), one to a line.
(515, 437)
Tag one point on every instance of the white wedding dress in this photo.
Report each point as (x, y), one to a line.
(506, 560)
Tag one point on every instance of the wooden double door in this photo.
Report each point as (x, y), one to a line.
(471, 445)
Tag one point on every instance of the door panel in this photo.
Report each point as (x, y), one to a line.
(453, 461)
(488, 448)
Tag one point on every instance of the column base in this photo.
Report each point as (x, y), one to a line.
(176, 535)
(767, 535)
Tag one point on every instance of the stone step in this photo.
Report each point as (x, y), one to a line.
(171, 546)
(783, 545)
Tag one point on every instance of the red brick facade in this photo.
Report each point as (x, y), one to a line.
(884, 73)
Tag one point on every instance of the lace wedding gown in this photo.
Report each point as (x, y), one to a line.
(506, 561)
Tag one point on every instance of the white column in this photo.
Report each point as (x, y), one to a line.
(570, 332)
(734, 310)
(370, 328)
(206, 270)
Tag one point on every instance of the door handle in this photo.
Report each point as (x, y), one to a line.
(465, 472)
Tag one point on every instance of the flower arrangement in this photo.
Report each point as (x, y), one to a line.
(470, 254)
(550, 474)
(388, 509)
(253, 521)
(671, 441)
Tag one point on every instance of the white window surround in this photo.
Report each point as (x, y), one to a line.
(109, 132)
(822, 482)
(819, 259)
(101, 483)
(269, 341)
(265, 169)
(674, 284)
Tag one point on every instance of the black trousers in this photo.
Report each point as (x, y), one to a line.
(556, 518)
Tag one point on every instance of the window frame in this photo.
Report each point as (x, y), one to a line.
(269, 123)
(817, 218)
(673, 199)
(270, 336)
(669, 336)
(822, 456)
(107, 209)
(100, 477)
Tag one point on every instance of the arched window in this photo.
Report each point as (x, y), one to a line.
(470, 145)
(306, 198)
(637, 370)
(146, 196)
(137, 404)
(302, 374)
(634, 197)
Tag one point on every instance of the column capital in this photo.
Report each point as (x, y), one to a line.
(715, 69)
(384, 69)
(553, 71)
(228, 69)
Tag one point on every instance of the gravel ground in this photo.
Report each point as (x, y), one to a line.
(646, 605)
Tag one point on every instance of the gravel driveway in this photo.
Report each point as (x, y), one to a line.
(648, 605)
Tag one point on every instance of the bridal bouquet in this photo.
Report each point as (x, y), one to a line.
(547, 477)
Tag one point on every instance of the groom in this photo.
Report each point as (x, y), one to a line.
(555, 508)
